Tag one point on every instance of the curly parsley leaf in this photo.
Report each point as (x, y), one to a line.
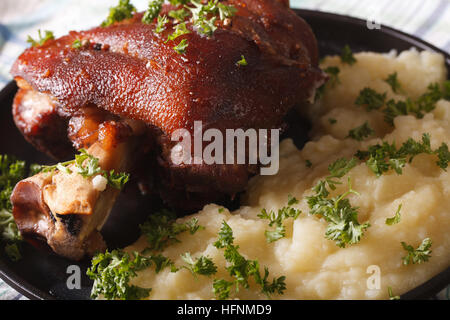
(395, 219)
(242, 269)
(48, 35)
(88, 166)
(112, 272)
(417, 256)
(161, 23)
(243, 62)
(277, 218)
(391, 295)
(12, 171)
(347, 56)
(123, 10)
(161, 229)
(200, 266)
(370, 99)
(154, 8)
(393, 82)
(384, 157)
(362, 132)
(342, 218)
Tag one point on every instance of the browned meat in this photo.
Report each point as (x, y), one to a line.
(66, 209)
(132, 72)
(36, 116)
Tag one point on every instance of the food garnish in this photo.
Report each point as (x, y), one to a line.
(391, 295)
(343, 226)
(243, 62)
(277, 218)
(384, 157)
(88, 166)
(347, 56)
(393, 82)
(11, 172)
(112, 271)
(373, 100)
(362, 132)
(241, 270)
(419, 255)
(395, 219)
(48, 35)
(124, 10)
(200, 266)
(161, 229)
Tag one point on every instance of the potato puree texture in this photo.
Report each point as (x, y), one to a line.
(315, 268)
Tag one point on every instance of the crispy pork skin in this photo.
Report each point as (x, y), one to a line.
(132, 72)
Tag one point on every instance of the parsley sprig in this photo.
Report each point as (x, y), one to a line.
(395, 219)
(162, 230)
(242, 269)
(48, 35)
(384, 157)
(200, 266)
(123, 10)
(343, 226)
(12, 171)
(426, 103)
(417, 256)
(88, 166)
(362, 132)
(277, 218)
(112, 272)
(204, 17)
(393, 82)
(347, 56)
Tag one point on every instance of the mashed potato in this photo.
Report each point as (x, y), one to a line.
(315, 268)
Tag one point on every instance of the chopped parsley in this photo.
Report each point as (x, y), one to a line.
(179, 15)
(277, 218)
(11, 172)
(154, 8)
(343, 226)
(112, 272)
(242, 269)
(180, 30)
(124, 10)
(370, 99)
(332, 121)
(48, 35)
(362, 132)
(424, 104)
(333, 72)
(243, 62)
(395, 219)
(161, 229)
(77, 44)
(393, 82)
(308, 164)
(384, 157)
(419, 255)
(204, 17)
(200, 266)
(391, 295)
(181, 47)
(88, 166)
(347, 56)
(161, 24)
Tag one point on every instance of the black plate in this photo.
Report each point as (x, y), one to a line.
(42, 275)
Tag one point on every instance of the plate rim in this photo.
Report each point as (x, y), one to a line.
(431, 286)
